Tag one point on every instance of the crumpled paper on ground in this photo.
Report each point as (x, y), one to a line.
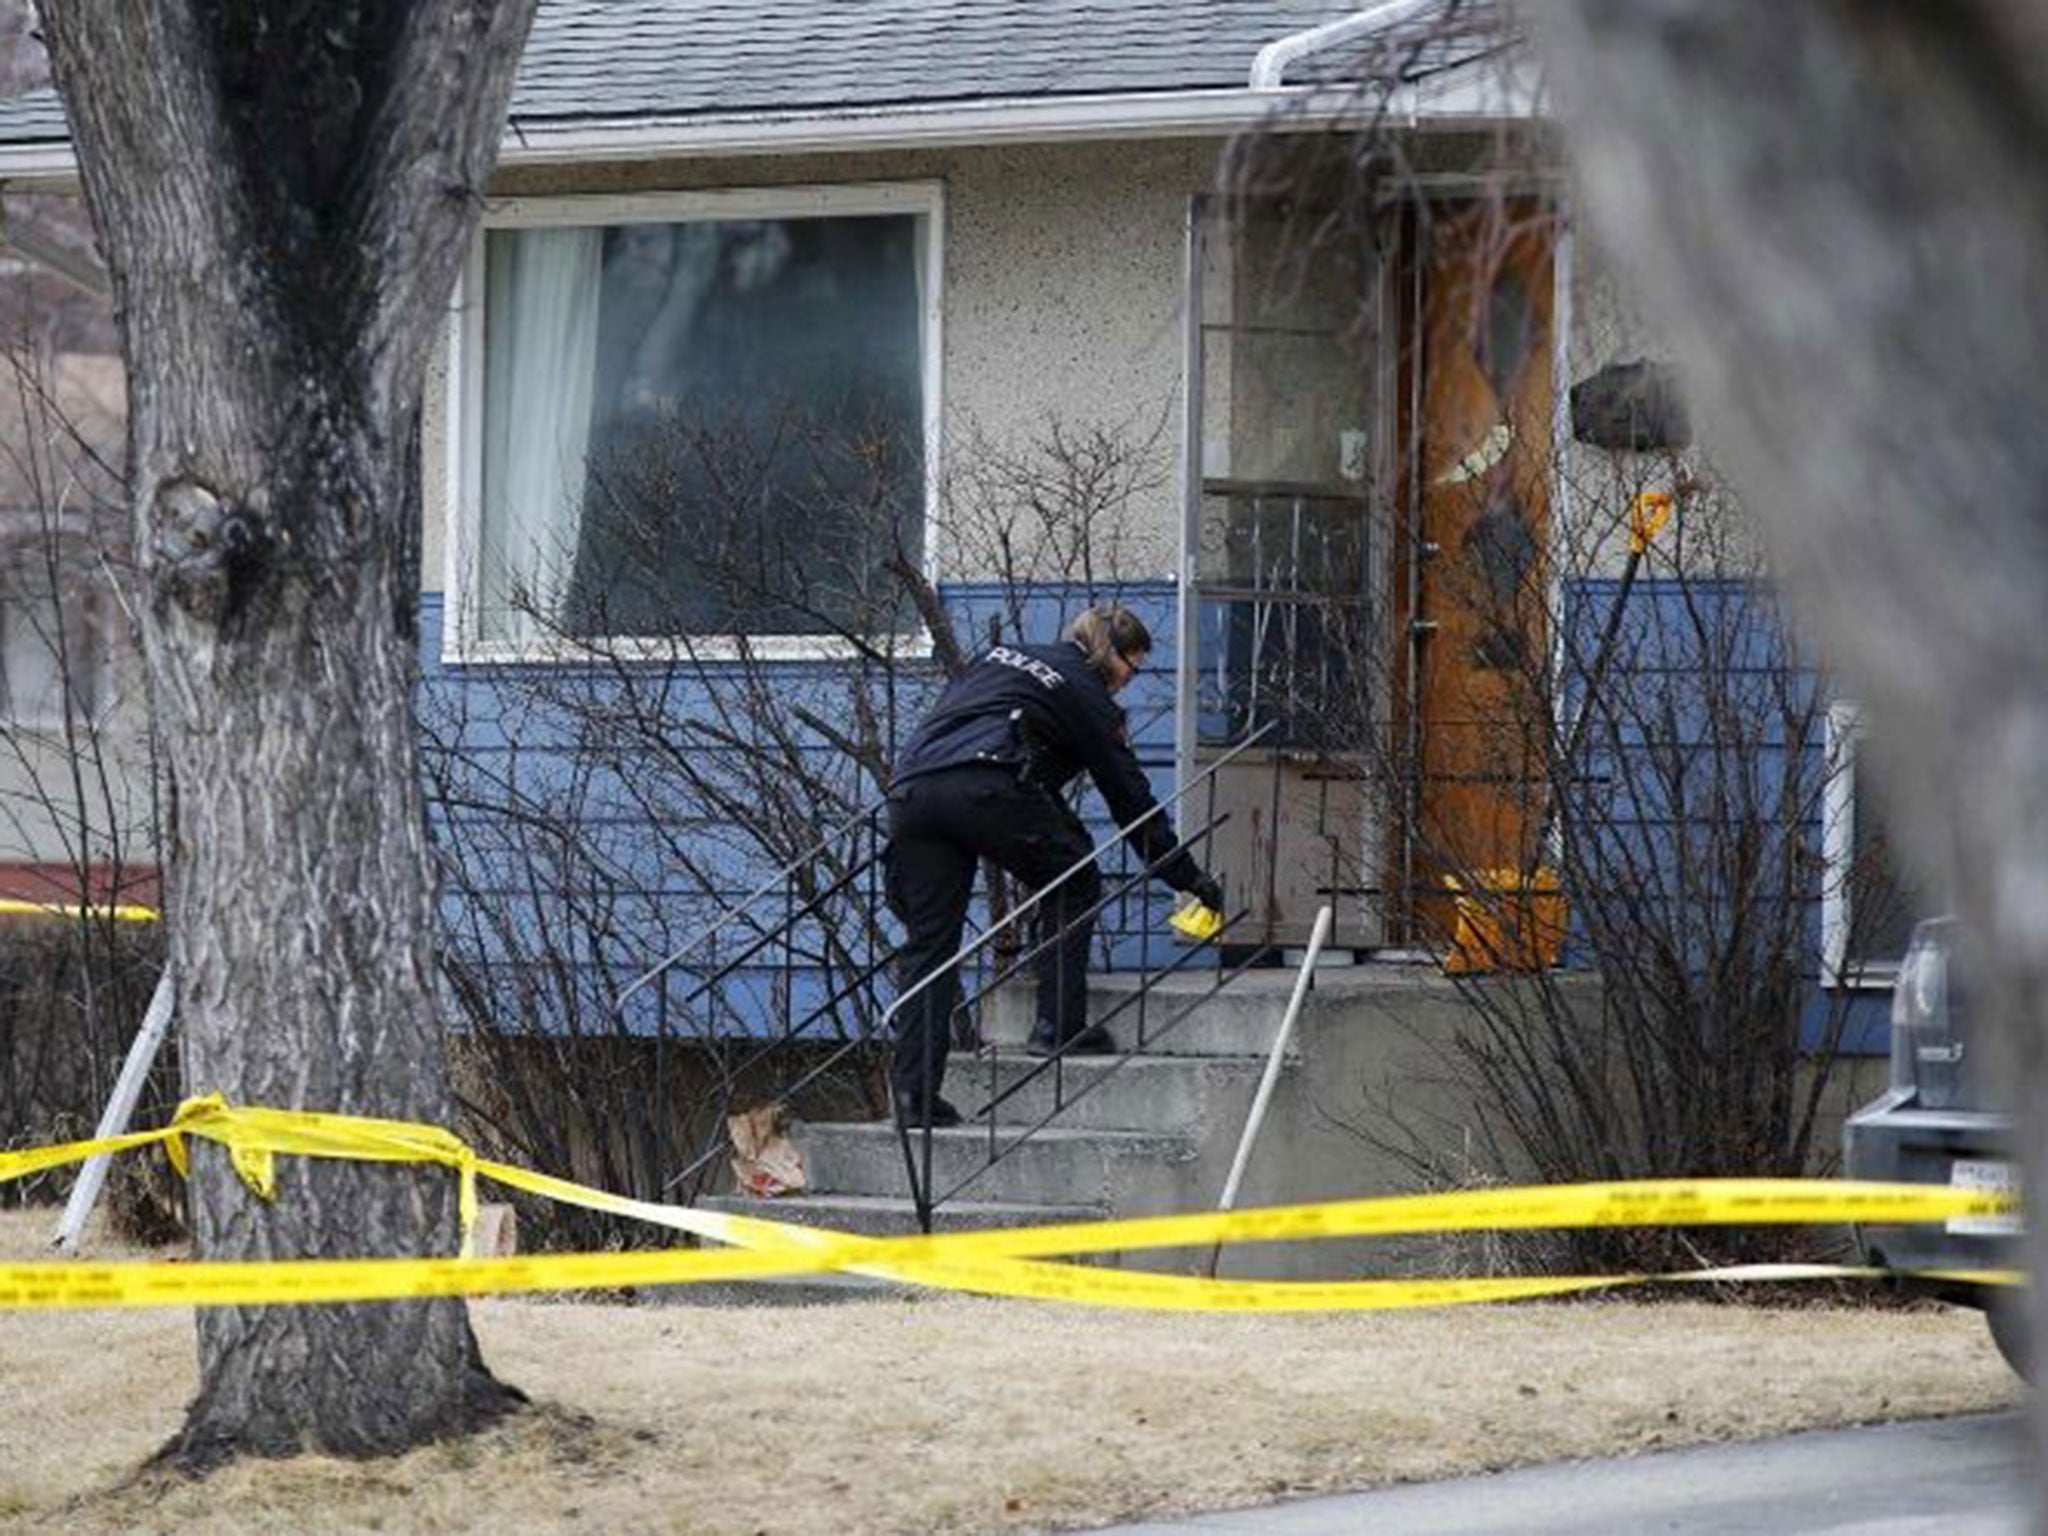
(765, 1162)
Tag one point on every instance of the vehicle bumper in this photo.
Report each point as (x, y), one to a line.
(1896, 1142)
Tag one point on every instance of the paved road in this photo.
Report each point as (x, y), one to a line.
(1940, 1477)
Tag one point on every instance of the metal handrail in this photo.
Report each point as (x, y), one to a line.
(1130, 882)
(1063, 1101)
(774, 882)
(921, 1181)
(766, 937)
(920, 1178)
(974, 946)
(846, 1048)
(859, 982)
(864, 975)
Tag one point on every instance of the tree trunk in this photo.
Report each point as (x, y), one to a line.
(1840, 214)
(283, 193)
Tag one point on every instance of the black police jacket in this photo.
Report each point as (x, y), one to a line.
(1042, 712)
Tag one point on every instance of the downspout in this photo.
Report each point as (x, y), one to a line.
(1273, 59)
(40, 251)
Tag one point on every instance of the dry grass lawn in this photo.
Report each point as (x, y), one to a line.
(955, 1414)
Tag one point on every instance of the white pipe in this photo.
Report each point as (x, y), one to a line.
(1273, 59)
(1318, 936)
(92, 1177)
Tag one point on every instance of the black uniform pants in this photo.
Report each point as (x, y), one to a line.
(940, 825)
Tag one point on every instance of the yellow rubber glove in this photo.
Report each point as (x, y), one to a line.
(1197, 922)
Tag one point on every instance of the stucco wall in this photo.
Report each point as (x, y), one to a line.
(1063, 278)
(1714, 537)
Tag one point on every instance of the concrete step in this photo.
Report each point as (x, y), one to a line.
(1178, 1018)
(895, 1215)
(1058, 1165)
(1181, 1094)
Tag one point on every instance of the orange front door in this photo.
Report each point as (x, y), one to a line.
(1473, 594)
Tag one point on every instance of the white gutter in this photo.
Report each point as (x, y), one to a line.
(1273, 59)
(1456, 97)
(1151, 114)
(1476, 94)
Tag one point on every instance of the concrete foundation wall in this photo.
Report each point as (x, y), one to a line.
(1370, 1093)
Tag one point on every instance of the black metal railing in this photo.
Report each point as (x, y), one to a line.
(852, 956)
(848, 957)
(917, 1138)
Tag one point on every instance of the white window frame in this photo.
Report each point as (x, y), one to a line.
(463, 542)
(1838, 853)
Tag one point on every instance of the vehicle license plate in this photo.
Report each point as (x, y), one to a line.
(1968, 1174)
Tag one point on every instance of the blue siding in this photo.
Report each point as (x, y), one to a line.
(1719, 717)
(1715, 692)
(614, 866)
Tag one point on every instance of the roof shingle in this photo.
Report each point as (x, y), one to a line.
(613, 59)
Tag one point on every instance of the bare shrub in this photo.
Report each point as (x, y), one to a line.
(1548, 697)
(78, 783)
(601, 817)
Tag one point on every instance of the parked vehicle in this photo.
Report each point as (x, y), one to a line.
(1932, 1126)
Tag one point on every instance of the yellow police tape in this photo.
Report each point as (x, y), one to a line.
(120, 912)
(1003, 1262)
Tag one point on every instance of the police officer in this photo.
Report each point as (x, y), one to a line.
(982, 778)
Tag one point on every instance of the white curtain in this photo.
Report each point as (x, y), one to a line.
(540, 367)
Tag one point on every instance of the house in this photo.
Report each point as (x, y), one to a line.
(74, 780)
(799, 338)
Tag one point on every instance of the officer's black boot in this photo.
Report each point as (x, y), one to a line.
(1092, 1041)
(1067, 917)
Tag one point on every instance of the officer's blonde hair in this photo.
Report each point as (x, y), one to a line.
(1109, 630)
